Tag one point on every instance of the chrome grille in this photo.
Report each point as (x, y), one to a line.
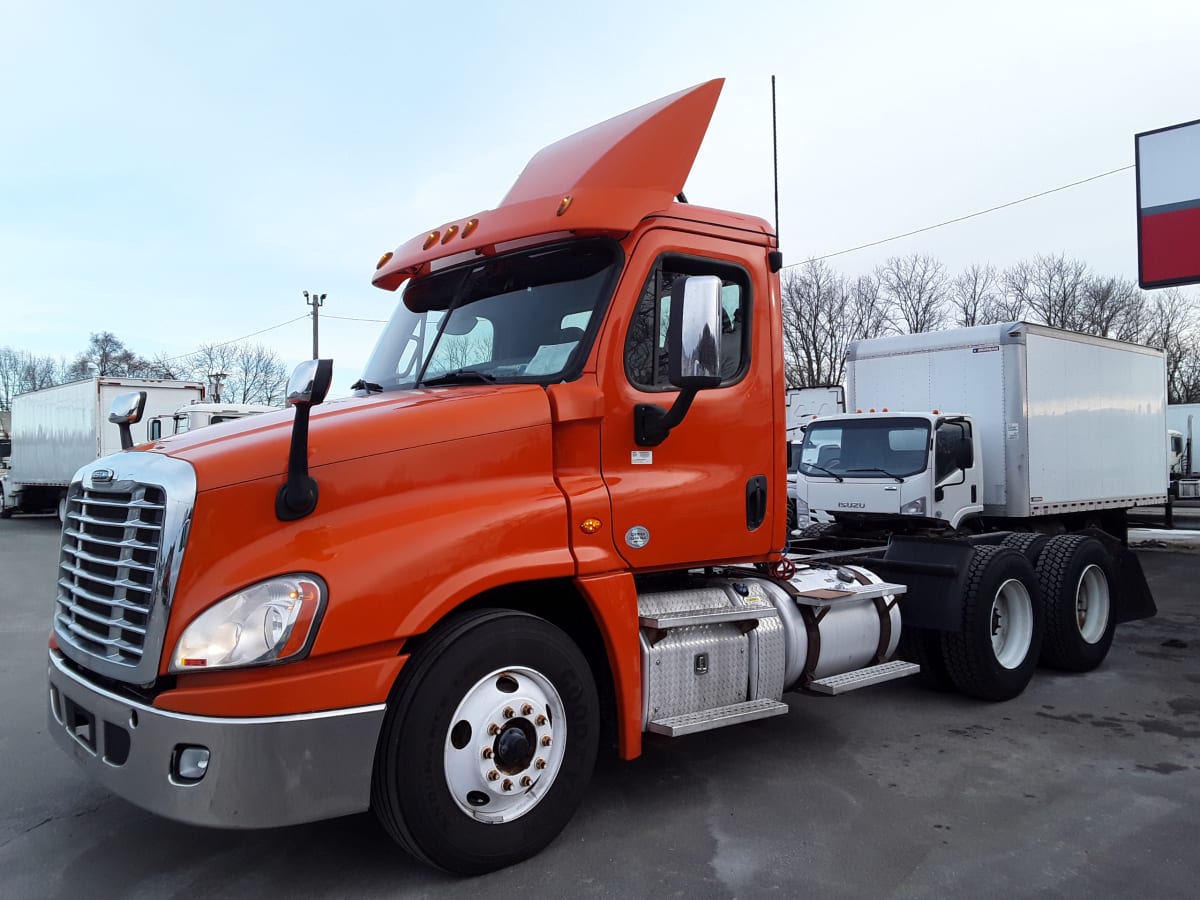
(106, 582)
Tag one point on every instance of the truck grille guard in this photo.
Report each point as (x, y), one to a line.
(123, 536)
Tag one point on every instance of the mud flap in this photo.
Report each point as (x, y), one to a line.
(1133, 599)
(933, 569)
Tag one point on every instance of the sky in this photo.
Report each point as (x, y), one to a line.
(178, 173)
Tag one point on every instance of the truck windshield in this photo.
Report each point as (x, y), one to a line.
(866, 448)
(522, 317)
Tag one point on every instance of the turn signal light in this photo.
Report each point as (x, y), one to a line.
(590, 526)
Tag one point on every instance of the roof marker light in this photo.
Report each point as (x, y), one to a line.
(565, 204)
(451, 231)
(383, 260)
(431, 239)
(470, 227)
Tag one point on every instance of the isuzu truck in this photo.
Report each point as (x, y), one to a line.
(551, 519)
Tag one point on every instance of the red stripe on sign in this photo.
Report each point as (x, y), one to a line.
(1170, 246)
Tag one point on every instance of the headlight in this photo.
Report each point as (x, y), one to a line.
(267, 622)
(914, 508)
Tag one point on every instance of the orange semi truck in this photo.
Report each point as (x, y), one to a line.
(552, 517)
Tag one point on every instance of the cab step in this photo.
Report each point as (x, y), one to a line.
(861, 678)
(708, 719)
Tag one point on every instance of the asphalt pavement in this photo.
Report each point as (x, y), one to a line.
(1084, 786)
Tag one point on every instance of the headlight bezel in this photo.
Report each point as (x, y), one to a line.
(250, 607)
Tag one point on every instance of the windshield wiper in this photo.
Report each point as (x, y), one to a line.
(875, 469)
(369, 386)
(822, 469)
(460, 376)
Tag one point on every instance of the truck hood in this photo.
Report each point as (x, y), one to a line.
(355, 428)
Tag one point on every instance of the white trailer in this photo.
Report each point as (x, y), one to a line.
(804, 403)
(59, 429)
(199, 414)
(1051, 424)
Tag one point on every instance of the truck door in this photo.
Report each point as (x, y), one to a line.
(707, 492)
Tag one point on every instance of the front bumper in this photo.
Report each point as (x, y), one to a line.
(262, 772)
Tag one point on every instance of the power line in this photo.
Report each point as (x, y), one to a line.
(981, 212)
(242, 338)
(355, 319)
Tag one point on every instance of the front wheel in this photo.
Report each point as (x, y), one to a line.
(488, 744)
(995, 653)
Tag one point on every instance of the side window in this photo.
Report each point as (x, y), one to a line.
(950, 436)
(646, 341)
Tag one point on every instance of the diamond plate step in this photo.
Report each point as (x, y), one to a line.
(848, 593)
(708, 719)
(861, 678)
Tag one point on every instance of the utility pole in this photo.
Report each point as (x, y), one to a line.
(316, 301)
(214, 382)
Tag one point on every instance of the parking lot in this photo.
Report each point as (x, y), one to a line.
(1083, 786)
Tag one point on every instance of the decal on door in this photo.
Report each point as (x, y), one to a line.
(641, 457)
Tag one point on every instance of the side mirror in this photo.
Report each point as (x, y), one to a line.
(127, 410)
(693, 355)
(307, 387)
(694, 333)
(310, 382)
(964, 456)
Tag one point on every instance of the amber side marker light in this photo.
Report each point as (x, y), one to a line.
(383, 260)
(565, 204)
(590, 526)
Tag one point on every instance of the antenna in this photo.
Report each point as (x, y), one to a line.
(776, 257)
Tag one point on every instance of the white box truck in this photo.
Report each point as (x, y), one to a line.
(58, 429)
(1011, 426)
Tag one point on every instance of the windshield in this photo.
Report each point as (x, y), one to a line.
(866, 448)
(524, 317)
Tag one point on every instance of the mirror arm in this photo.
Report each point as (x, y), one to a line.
(652, 424)
(297, 496)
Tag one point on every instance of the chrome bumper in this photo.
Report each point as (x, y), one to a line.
(262, 772)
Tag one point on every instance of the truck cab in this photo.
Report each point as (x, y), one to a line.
(877, 466)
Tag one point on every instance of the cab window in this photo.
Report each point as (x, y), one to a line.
(646, 359)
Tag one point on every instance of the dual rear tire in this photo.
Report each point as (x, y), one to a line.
(1027, 600)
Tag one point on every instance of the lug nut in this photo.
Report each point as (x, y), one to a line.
(487, 752)
(546, 741)
(526, 781)
(541, 720)
(541, 764)
(493, 728)
(508, 712)
(526, 709)
(507, 784)
(493, 775)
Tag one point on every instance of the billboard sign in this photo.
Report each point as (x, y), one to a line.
(1168, 199)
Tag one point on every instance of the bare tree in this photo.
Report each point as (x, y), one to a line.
(817, 324)
(22, 371)
(106, 354)
(1111, 307)
(974, 294)
(242, 372)
(1050, 289)
(916, 288)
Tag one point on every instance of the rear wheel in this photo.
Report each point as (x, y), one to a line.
(1075, 573)
(994, 655)
(488, 744)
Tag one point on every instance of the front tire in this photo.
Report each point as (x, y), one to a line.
(1075, 574)
(994, 655)
(488, 744)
